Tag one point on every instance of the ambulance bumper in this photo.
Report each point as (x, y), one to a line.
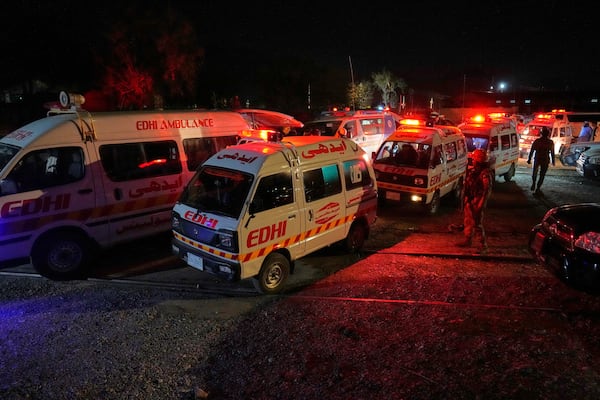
(223, 269)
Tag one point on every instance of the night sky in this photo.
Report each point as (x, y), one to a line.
(431, 45)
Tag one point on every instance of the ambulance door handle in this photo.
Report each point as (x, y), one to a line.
(118, 194)
(84, 191)
(293, 216)
(310, 215)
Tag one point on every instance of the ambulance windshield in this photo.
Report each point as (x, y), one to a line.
(409, 154)
(218, 191)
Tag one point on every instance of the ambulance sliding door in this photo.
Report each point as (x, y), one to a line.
(142, 181)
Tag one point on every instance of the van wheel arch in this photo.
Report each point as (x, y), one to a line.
(510, 173)
(273, 274)
(357, 235)
(434, 205)
(62, 254)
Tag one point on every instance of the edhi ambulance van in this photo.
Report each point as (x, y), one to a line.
(368, 128)
(75, 182)
(421, 164)
(252, 209)
(498, 139)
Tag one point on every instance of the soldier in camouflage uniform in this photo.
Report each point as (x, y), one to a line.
(476, 191)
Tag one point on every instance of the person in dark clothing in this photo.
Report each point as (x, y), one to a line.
(542, 151)
(476, 191)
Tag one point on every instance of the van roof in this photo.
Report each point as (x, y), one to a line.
(118, 125)
(424, 133)
(251, 156)
(486, 127)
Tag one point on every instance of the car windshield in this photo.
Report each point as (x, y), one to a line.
(7, 152)
(321, 128)
(405, 153)
(218, 191)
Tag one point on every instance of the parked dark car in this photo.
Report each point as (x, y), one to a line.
(567, 242)
(569, 154)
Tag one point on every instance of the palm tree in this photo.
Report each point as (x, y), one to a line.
(388, 84)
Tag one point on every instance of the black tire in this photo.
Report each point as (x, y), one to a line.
(61, 255)
(434, 206)
(355, 240)
(381, 198)
(273, 274)
(510, 173)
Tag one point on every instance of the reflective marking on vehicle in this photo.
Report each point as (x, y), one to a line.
(290, 241)
(90, 216)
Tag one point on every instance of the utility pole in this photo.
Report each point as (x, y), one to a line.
(352, 79)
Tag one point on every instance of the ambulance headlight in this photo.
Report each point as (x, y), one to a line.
(227, 240)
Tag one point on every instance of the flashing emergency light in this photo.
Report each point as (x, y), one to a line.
(478, 118)
(544, 116)
(411, 121)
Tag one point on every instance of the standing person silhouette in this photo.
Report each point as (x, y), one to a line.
(542, 151)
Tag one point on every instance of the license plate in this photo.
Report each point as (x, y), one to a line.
(538, 242)
(195, 261)
(392, 195)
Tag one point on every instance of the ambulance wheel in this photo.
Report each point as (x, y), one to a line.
(61, 255)
(273, 274)
(434, 205)
(510, 173)
(356, 237)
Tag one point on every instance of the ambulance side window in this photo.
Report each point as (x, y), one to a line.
(461, 148)
(494, 143)
(356, 174)
(199, 150)
(437, 158)
(273, 191)
(514, 140)
(41, 169)
(450, 149)
(372, 126)
(129, 161)
(505, 142)
(321, 182)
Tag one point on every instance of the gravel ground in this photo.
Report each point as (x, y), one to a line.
(401, 327)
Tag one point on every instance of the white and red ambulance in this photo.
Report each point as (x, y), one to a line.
(251, 210)
(75, 181)
(421, 163)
